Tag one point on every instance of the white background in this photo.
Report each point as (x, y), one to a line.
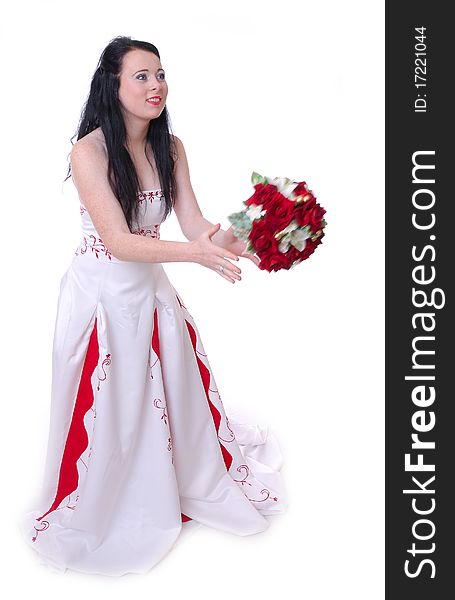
(283, 88)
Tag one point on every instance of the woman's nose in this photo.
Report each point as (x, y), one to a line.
(154, 83)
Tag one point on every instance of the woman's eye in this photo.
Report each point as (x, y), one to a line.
(161, 76)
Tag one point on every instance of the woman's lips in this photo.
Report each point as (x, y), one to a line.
(153, 101)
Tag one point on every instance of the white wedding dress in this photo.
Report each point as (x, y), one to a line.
(139, 441)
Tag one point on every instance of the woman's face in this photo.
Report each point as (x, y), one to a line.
(141, 78)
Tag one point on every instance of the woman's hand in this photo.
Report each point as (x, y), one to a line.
(210, 255)
(232, 243)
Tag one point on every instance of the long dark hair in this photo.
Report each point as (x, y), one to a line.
(102, 109)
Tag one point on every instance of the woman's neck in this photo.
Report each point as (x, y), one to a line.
(136, 135)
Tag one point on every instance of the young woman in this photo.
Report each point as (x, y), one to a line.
(139, 442)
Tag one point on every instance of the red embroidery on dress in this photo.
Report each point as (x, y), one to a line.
(156, 404)
(247, 472)
(45, 525)
(243, 481)
(232, 433)
(227, 420)
(169, 447)
(153, 233)
(82, 209)
(93, 408)
(106, 361)
(164, 416)
(180, 302)
(157, 194)
(97, 246)
(267, 492)
(74, 505)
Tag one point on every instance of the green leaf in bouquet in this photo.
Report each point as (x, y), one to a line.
(241, 224)
(249, 247)
(256, 178)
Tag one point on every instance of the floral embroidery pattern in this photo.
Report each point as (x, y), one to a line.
(154, 232)
(106, 361)
(247, 472)
(154, 194)
(97, 246)
(232, 433)
(267, 492)
(169, 447)
(164, 417)
(93, 409)
(69, 500)
(150, 362)
(156, 403)
(225, 415)
(44, 526)
(243, 481)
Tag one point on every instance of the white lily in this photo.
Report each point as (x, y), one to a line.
(297, 238)
(255, 211)
(285, 186)
(292, 225)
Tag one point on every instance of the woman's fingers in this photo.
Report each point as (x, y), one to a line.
(253, 258)
(223, 274)
(228, 273)
(224, 253)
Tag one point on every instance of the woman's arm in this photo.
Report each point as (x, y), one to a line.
(89, 174)
(187, 210)
(189, 215)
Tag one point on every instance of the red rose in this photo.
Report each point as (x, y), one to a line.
(293, 254)
(261, 238)
(310, 247)
(275, 262)
(302, 190)
(263, 194)
(266, 247)
(309, 213)
(316, 217)
(280, 212)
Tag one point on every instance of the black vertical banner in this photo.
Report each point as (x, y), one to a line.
(420, 331)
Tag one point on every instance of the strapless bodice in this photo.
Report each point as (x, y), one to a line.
(150, 216)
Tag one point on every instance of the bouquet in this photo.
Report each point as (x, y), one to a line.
(282, 224)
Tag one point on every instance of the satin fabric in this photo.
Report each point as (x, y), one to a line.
(139, 441)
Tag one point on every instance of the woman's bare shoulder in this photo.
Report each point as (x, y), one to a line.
(92, 145)
(178, 147)
(89, 156)
(175, 139)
